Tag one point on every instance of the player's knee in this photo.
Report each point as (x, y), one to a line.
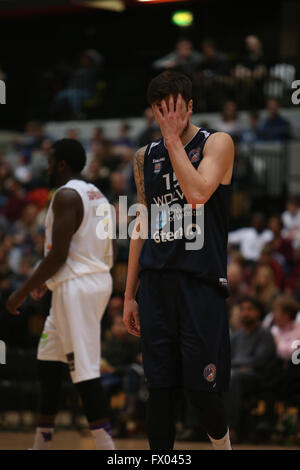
(94, 400)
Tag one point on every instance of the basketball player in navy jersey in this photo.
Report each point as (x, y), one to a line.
(181, 312)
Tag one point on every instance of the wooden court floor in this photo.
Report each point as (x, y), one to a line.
(70, 440)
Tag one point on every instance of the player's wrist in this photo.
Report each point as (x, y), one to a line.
(172, 139)
(129, 296)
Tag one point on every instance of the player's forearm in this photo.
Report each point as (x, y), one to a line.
(47, 268)
(133, 268)
(192, 183)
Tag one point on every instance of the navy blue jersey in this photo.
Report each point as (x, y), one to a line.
(168, 238)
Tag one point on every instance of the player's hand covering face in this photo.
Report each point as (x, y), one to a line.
(173, 118)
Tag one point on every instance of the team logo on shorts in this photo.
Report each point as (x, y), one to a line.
(209, 372)
(43, 340)
(194, 155)
(71, 361)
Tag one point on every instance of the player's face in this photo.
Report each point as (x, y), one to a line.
(53, 172)
(185, 107)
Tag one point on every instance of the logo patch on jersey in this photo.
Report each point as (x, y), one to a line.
(194, 155)
(157, 168)
(210, 372)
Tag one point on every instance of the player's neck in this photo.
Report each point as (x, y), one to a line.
(68, 177)
(189, 134)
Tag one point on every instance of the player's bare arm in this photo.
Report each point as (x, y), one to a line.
(130, 315)
(216, 166)
(68, 213)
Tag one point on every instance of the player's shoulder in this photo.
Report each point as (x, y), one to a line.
(218, 136)
(66, 197)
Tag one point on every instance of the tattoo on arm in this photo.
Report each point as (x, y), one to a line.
(139, 175)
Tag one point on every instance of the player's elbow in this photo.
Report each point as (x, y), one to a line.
(196, 199)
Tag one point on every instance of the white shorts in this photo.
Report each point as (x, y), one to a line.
(72, 330)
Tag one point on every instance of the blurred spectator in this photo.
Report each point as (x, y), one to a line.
(267, 258)
(123, 140)
(250, 134)
(15, 200)
(213, 63)
(237, 286)
(184, 59)
(274, 127)
(285, 329)
(23, 171)
(229, 120)
(32, 139)
(151, 130)
(291, 221)
(281, 247)
(82, 83)
(264, 288)
(119, 351)
(253, 362)
(253, 65)
(251, 240)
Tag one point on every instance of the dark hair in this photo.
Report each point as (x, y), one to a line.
(72, 152)
(255, 303)
(288, 305)
(169, 83)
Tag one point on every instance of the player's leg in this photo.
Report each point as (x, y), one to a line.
(50, 358)
(210, 410)
(96, 408)
(205, 349)
(160, 418)
(84, 301)
(50, 378)
(161, 360)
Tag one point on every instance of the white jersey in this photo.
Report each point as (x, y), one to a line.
(88, 252)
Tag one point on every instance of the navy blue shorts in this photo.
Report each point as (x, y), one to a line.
(184, 332)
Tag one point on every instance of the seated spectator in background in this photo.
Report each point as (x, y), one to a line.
(250, 135)
(275, 127)
(96, 139)
(253, 362)
(286, 331)
(184, 59)
(253, 65)
(213, 63)
(263, 287)
(281, 247)
(292, 282)
(32, 139)
(119, 351)
(82, 83)
(123, 140)
(229, 121)
(237, 286)
(291, 221)
(267, 258)
(151, 130)
(251, 240)
(16, 200)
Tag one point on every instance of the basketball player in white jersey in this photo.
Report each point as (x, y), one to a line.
(76, 267)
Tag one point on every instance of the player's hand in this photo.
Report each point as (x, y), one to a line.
(38, 293)
(15, 300)
(131, 317)
(171, 121)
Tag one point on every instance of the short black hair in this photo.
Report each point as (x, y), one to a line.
(255, 303)
(167, 83)
(72, 152)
